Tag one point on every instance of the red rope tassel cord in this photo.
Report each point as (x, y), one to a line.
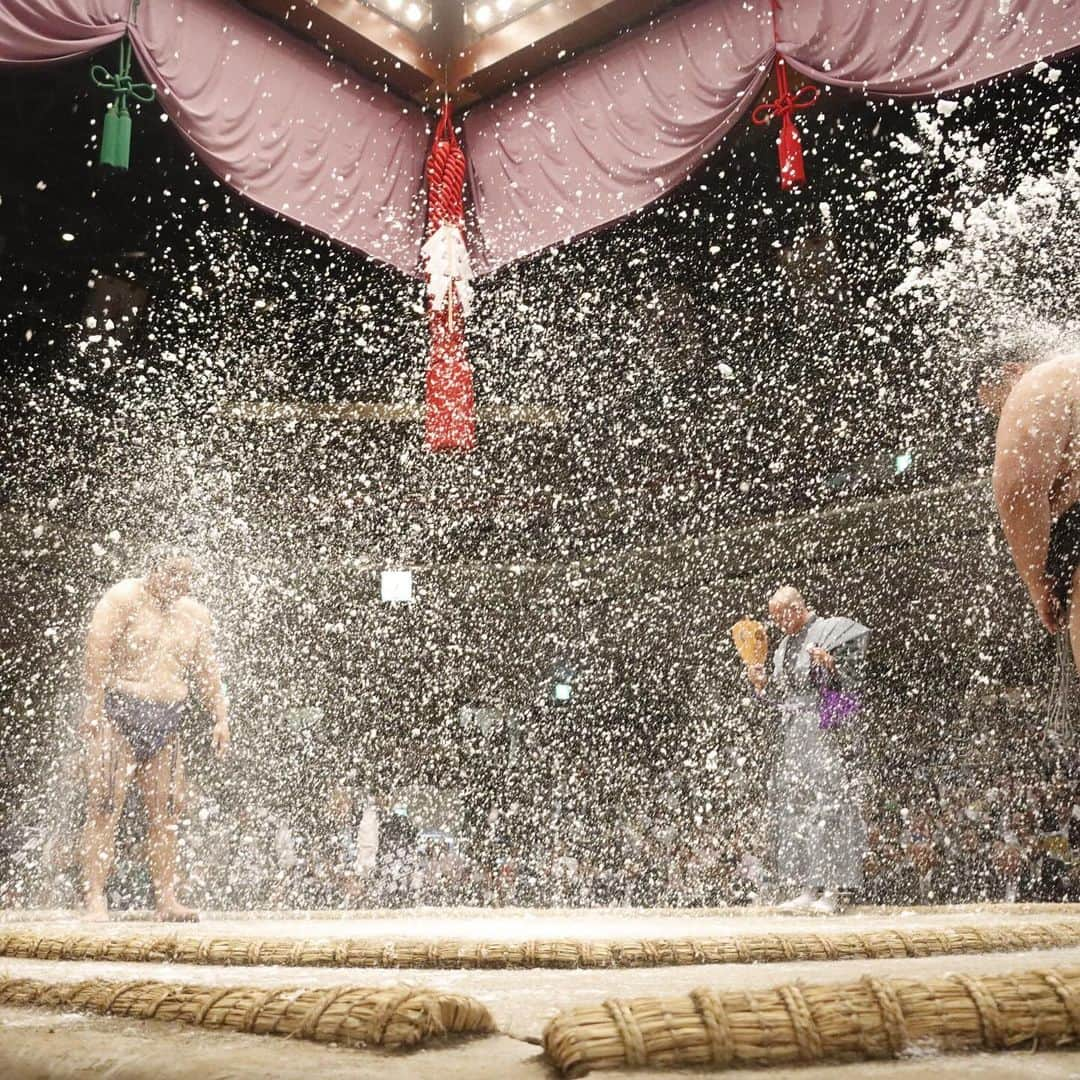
(450, 422)
(785, 105)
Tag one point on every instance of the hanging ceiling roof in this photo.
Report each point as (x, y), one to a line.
(469, 48)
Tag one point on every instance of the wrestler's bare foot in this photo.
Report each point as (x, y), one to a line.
(171, 910)
(96, 908)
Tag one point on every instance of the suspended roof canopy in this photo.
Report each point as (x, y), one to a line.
(471, 49)
(338, 143)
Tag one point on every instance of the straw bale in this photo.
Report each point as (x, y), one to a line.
(797, 1023)
(392, 1017)
(241, 950)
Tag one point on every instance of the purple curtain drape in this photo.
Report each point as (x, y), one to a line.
(603, 136)
(578, 148)
(38, 31)
(587, 144)
(292, 132)
(915, 47)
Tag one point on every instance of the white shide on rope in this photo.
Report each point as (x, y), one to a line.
(447, 262)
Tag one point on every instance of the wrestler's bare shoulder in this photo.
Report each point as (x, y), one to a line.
(1059, 374)
(1042, 395)
(123, 594)
(192, 609)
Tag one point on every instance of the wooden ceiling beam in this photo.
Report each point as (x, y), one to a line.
(541, 38)
(447, 55)
(373, 44)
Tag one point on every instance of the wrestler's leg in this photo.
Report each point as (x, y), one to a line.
(1072, 618)
(109, 766)
(157, 782)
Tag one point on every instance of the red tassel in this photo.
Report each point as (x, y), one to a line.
(792, 171)
(450, 419)
(450, 422)
(450, 416)
(785, 105)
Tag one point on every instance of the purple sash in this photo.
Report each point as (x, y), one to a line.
(836, 707)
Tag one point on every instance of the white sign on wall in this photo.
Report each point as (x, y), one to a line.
(397, 586)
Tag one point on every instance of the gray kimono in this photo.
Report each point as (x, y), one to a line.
(815, 818)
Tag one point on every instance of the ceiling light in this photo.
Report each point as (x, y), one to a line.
(413, 13)
(504, 6)
(482, 15)
(394, 5)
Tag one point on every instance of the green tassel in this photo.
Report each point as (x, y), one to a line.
(116, 137)
(116, 129)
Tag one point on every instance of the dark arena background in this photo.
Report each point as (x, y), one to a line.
(733, 389)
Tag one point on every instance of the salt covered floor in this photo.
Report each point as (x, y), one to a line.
(42, 1044)
(519, 924)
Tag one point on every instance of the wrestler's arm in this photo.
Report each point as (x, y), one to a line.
(1030, 443)
(105, 623)
(207, 674)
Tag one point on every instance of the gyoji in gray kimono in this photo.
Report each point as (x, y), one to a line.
(815, 817)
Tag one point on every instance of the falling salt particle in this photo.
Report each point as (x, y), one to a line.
(67, 237)
(38, 532)
(97, 549)
(114, 537)
(725, 370)
(907, 145)
(41, 185)
(947, 108)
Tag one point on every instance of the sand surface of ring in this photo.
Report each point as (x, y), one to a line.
(38, 1043)
(521, 924)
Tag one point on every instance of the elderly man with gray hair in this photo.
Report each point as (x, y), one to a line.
(820, 836)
